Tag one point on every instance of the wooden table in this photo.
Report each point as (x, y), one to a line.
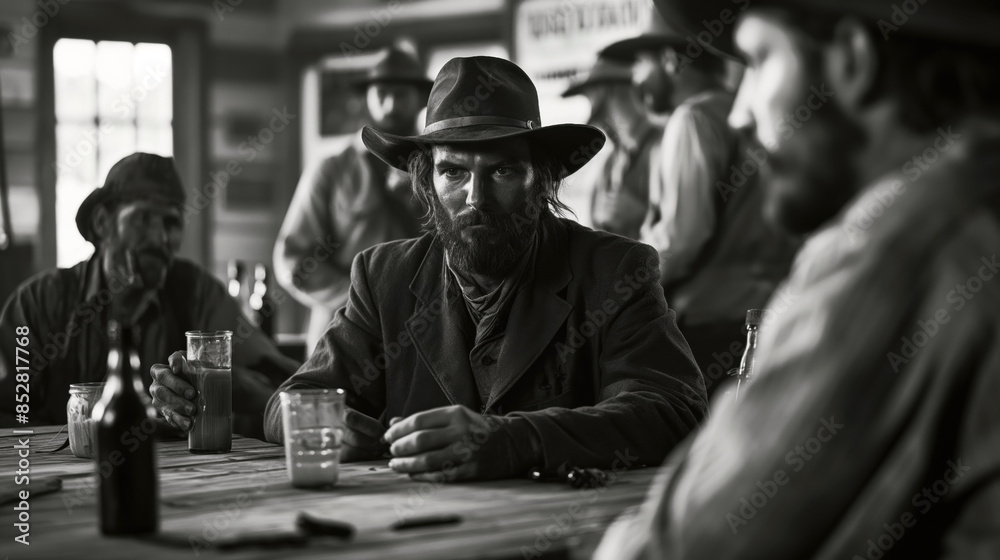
(206, 500)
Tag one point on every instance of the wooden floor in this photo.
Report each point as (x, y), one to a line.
(208, 500)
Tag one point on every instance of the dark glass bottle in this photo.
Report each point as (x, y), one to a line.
(261, 302)
(750, 352)
(126, 448)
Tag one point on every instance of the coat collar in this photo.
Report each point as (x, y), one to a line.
(537, 313)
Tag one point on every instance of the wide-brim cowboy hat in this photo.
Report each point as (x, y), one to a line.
(605, 71)
(711, 22)
(483, 98)
(396, 66)
(139, 176)
(657, 35)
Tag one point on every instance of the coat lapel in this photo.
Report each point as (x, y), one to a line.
(538, 311)
(438, 330)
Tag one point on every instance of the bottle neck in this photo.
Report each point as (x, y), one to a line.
(123, 363)
(751, 337)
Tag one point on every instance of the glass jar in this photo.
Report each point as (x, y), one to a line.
(82, 428)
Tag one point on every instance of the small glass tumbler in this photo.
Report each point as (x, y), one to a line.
(314, 429)
(82, 428)
(210, 355)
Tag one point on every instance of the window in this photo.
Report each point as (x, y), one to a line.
(112, 98)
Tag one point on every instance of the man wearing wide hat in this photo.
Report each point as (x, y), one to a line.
(135, 223)
(871, 429)
(620, 197)
(718, 256)
(506, 338)
(352, 200)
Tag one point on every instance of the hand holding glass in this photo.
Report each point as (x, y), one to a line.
(210, 358)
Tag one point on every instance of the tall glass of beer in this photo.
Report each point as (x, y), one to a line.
(210, 357)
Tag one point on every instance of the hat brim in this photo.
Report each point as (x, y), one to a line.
(86, 210)
(101, 195)
(627, 50)
(577, 89)
(571, 145)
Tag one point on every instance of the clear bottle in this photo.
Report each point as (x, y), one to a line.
(126, 446)
(748, 361)
(261, 302)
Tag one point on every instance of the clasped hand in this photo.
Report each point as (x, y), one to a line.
(449, 443)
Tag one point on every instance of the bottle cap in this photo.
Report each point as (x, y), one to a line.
(754, 317)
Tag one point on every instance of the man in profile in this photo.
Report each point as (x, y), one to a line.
(872, 429)
(352, 200)
(135, 224)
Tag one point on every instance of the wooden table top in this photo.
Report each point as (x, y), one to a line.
(208, 500)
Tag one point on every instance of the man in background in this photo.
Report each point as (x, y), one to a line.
(135, 223)
(872, 428)
(352, 200)
(718, 257)
(620, 196)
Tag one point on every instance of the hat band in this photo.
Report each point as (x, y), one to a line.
(459, 122)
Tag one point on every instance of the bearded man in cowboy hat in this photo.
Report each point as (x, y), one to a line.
(135, 223)
(872, 428)
(351, 200)
(506, 338)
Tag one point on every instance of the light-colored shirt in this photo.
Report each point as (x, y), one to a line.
(696, 149)
(620, 199)
(872, 429)
(347, 203)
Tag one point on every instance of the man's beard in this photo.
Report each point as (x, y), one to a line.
(148, 265)
(810, 176)
(486, 243)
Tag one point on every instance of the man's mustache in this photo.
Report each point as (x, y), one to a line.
(480, 218)
(157, 252)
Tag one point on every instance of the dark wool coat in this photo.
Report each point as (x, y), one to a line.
(592, 360)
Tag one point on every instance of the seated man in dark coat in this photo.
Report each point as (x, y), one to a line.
(136, 225)
(506, 338)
